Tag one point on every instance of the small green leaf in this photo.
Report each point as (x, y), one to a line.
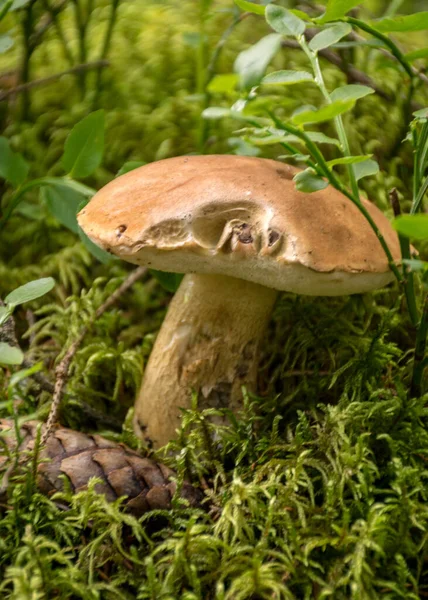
(365, 168)
(348, 160)
(257, 9)
(414, 264)
(83, 150)
(321, 138)
(5, 312)
(414, 22)
(242, 147)
(223, 84)
(6, 42)
(30, 291)
(351, 92)
(10, 355)
(63, 203)
(24, 374)
(414, 227)
(308, 181)
(284, 21)
(252, 63)
(216, 112)
(297, 157)
(287, 77)
(17, 4)
(415, 54)
(337, 9)
(13, 167)
(326, 113)
(130, 166)
(329, 36)
(422, 113)
(169, 281)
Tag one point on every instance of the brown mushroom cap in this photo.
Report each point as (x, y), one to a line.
(242, 217)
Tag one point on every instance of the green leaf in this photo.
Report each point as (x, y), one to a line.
(284, 21)
(287, 77)
(5, 312)
(83, 150)
(365, 168)
(351, 92)
(81, 188)
(348, 160)
(412, 226)
(10, 355)
(130, 166)
(257, 9)
(422, 113)
(169, 281)
(13, 167)
(414, 264)
(251, 64)
(216, 112)
(30, 291)
(63, 203)
(415, 54)
(17, 4)
(24, 374)
(323, 114)
(321, 138)
(329, 36)
(414, 22)
(308, 181)
(223, 84)
(337, 9)
(6, 42)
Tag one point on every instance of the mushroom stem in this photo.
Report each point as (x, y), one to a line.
(208, 344)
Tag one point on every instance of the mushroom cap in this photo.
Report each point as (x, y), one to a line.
(242, 217)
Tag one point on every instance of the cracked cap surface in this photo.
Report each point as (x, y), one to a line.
(243, 217)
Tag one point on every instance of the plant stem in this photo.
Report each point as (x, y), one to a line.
(54, 16)
(395, 51)
(106, 47)
(46, 80)
(338, 121)
(27, 30)
(419, 363)
(81, 25)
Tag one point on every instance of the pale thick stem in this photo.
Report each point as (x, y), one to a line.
(208, 344)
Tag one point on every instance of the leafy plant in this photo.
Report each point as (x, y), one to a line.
(10, 355)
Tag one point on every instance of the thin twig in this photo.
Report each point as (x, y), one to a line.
(61, 371)
(7, 334)
(96, 64)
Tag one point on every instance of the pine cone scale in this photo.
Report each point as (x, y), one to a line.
(146, 484)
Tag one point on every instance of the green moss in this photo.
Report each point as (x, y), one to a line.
(319, 488)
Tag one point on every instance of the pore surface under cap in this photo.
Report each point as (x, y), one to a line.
(242, 217)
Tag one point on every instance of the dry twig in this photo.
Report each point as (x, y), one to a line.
(96, 64)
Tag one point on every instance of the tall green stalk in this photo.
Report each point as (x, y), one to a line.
(27, 30)
(106, 47)
(338, 121)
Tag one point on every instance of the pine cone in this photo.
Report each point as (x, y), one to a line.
(146, 483)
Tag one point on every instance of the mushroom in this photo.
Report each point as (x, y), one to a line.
(240, 231)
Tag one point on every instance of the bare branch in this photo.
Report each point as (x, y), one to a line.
(96, 64)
